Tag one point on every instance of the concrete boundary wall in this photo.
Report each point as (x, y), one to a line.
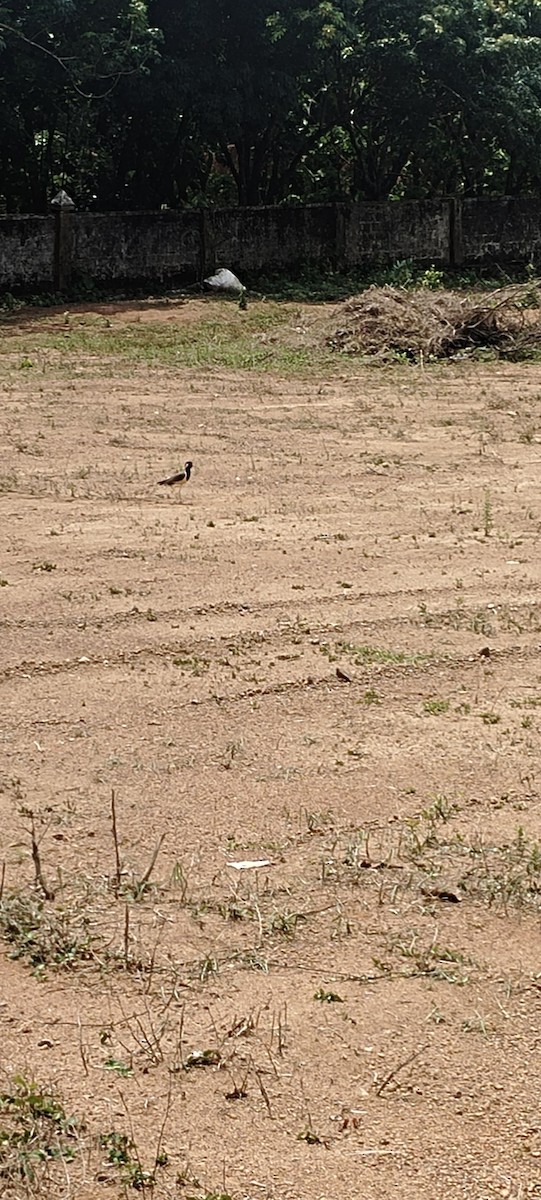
(158, 249)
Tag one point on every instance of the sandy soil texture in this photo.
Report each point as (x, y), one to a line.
(323, 654)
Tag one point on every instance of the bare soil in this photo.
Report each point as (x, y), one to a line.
(324, 653)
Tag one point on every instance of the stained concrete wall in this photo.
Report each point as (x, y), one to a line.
(385, 233)
(115, 248)
(167, 248)
(274, 239)
(506, 230)
(27, 253)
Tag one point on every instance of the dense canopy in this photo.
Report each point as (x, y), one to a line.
(150, 103)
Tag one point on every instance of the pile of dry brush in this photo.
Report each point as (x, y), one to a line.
(389, 321)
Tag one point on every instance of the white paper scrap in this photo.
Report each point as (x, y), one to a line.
(247, 864)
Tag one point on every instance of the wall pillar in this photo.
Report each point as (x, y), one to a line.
(62, 206)
(456, 242)
(341, 214)
(207, 244)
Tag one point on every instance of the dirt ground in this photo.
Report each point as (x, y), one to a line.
(324, 654)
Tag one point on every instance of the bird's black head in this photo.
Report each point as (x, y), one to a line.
(188, 466)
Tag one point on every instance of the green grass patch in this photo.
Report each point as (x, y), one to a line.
(435, 707)
(366, 656)
(34, 1133)
(229, 339)
(43, 935)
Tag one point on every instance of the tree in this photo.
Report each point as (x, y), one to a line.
(378, 88)
(144, 103)
(258, 91)
(482, 63)
(60, 60)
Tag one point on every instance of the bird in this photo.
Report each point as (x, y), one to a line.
(179, 478)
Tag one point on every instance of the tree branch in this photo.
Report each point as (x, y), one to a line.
(63, 64)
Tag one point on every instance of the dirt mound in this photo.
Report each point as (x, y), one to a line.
(388, 321)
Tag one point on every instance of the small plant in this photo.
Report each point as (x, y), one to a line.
(179, 880)
(421, 833)
(441, 809)
(488, 521)
(284, 922)
(46, 936)
(8, 302)
(211, 1196)
(122, 1153)
(207, 967)
(316, 821)
(509, 874)
(35, 1132)
(435, 707)
(118, 1147)
(401, 274)
(195, 665)
(251, 960)
(310, 1137)
(44, 566)
(475, 1024)
(202, 1058)
(434, 961)
(327, 997)
(490, 718)
(119, 1067)
(432, 279)
(357, 855)
(130, 886)
(364, 656)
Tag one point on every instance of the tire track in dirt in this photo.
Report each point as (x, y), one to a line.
(30, 670)
(423, 596)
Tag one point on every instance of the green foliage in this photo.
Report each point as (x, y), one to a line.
(327, 997)
(435, 707)
(119, 1067)
(212, 1196)
(369, 655)
(121, 1152)
(148, 103)
(34, 1131)
(43, 934)
(59, 70)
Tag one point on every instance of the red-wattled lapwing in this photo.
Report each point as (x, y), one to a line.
(180, 478)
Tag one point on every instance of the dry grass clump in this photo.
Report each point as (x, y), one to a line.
(389, 321)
